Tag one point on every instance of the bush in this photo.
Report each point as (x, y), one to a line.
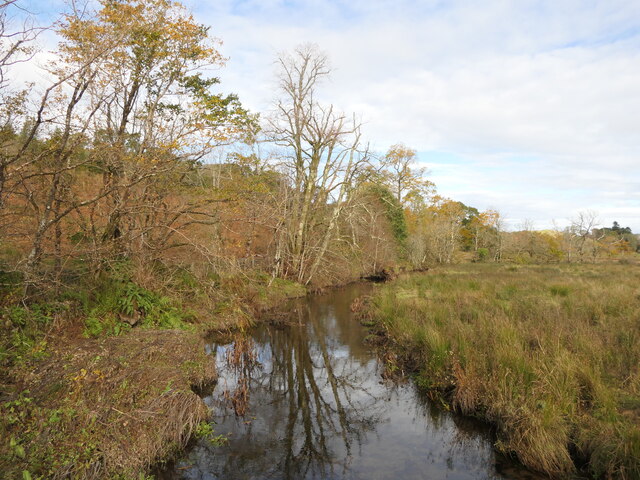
(120, 304)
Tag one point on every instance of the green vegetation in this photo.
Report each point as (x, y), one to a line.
(394, 212)
(550, 355)
(205, 430)
(122, 304)
(23, 330)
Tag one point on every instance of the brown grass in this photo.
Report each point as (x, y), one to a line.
(106, 408)
(550, 355)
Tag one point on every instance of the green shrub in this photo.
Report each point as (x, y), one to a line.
(394, 213)
(120, 303)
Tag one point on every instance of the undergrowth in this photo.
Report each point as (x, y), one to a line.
(121, 305)
(105, 408)
(23, 330)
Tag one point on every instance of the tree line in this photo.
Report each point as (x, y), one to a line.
(110, 159)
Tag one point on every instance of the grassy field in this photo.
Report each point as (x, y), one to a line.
(549, 354)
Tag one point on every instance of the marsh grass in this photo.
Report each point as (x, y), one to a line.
(550, 355)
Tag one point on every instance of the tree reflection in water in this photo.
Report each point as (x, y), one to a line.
(315, 407)
(309, 398)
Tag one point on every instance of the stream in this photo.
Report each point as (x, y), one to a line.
(308, 400)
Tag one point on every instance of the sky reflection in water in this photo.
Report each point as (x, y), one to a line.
(318, 408)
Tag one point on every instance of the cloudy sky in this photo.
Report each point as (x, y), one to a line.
(529, 107)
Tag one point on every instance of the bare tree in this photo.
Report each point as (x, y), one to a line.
(581, 229)
(499, 226)
(323, 154)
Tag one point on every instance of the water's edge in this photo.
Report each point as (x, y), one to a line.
(306, 399)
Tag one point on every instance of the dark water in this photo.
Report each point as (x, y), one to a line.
(319, 408)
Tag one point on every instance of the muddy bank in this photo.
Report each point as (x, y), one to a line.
(105, 408)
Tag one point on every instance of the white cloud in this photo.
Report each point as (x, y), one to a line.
(537, 101)
(557, 82)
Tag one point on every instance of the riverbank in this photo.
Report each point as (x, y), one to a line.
(548, 354)
(104, 383)
(104, 408)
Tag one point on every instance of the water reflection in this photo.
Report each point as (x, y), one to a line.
(307, 401)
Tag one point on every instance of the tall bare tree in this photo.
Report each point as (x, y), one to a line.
(581, 230)
(324, 153)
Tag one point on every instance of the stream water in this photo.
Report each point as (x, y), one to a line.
(313, 404)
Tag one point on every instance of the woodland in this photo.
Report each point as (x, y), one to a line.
(142, 206)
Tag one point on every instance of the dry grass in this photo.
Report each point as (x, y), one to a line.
(550, 355)
(105, 408)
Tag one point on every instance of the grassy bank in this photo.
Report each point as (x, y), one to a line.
(101, 381)
(103, 408)
(549, 354)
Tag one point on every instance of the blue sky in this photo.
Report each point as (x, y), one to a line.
(529, 107)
